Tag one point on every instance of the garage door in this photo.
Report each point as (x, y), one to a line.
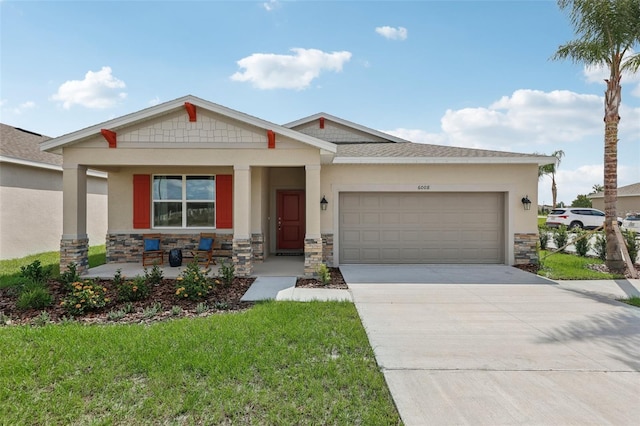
(421, 228)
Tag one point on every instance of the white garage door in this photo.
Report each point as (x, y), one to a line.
(393, 227)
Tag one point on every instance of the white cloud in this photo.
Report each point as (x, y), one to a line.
(392, 33)
(24, 106)
(155, 101)
(297, 71)
(271, 5)
(99, 89)
(599, 73)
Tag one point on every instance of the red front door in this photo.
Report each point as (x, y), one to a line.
(290, 226)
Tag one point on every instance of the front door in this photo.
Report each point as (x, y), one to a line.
(290, 226)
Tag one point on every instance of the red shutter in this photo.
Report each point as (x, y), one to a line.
(224, 201)
(141, 201)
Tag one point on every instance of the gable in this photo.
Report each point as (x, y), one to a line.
(337, 133)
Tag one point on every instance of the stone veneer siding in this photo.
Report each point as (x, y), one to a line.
(327, 249)
(128, 248)
(257, 246)
(242, 257)
(525, 248)
(74, 251)
(312, 256)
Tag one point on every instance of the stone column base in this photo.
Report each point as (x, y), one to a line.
(242, 257)
(312, 256)
(525, 248)
(257, 246)
(74, 251)
(327, 249)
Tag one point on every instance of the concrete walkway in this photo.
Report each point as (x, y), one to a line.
(284, 288)
(501, 354)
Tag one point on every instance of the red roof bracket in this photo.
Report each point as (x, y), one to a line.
(271, 138)
(322, 122)
(191, 110)
(110, 136)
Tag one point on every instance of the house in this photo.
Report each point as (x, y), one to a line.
(628, 199)
(334, 190)
(31, 196)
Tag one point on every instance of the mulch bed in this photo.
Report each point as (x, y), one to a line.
(221, 299)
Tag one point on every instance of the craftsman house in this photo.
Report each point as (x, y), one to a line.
(336, 191)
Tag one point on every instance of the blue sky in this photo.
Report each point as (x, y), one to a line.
(464, 73)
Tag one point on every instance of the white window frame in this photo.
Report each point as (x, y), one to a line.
(184, 201)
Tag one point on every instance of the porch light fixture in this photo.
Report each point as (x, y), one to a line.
(323, 203)
(526, 202)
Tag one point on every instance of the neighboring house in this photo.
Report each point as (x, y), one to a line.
(31, 196)
(628, 199)
(189, 166)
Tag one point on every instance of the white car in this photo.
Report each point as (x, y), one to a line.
(576, 217)
(631, 222)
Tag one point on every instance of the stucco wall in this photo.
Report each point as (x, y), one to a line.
(624, 205)
(31, 214)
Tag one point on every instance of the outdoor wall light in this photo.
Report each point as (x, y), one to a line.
(323, 203)
(526, 202)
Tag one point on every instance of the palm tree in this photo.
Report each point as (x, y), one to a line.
(550, 170)
(607, 32)
(597, 188)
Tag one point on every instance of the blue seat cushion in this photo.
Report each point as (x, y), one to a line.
(151, 244)
(205, 244)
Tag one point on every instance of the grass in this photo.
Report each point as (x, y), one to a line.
(633, 301)
(562, 266)
(277, 363)
(10, 268)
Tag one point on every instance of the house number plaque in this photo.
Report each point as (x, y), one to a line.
(423, 187)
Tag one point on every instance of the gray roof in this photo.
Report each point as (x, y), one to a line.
(419, 150)
(24, 145)
(623, 191)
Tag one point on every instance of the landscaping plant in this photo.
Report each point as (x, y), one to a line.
(34, 295)
(35, 272)
(132, 290)
(582, 244)
(600, 246)
(560, 236)
(226, 273)
(85, 296)
(193, 283)
(70, 276)
(155, 276)
(324, 274)
(543, 231)
(631, 241)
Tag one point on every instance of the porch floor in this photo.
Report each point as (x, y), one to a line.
(273, 266)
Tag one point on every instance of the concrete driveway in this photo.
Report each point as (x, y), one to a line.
(498, 354)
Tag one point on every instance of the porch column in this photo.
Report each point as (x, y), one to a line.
(74, 245)
(242, 254)
(312, 238)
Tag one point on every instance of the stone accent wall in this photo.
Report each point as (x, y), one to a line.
(74, 251)
(327, 249)
(257, 246)
(242, 257)
(312, 256)
(525, 248)
(128, 248)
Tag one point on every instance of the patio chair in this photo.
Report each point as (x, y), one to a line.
(152, 251)
(204, 251)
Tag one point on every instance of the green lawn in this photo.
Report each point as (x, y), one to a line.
(10, 269)
(277, 363)
(562, 266)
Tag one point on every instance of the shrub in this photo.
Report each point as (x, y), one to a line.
(42, 319)
(226, 273)
(85, 296)
(34, 297)
(630, 240)
(35, 272)
(600, 246)
(130, 291)
(582, 244)
(155, 276)
(70, 276)
(543, 231)
(560, 236)
(152, 311)
(193, 283)
(324, 274)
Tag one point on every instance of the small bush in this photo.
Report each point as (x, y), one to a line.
(324, 274)
(543, 231)
(560, 236)
(176, 310)
(85, 296)
(155, 276)
(70, 276)
(35, 272)
(152, 311)
(4, 319)
(42, 319)
(201, 308)
(226, 273)
(193, 283)
(35, 297)
(582, 245)
(130, 291)
(631, 241)
(600, 246)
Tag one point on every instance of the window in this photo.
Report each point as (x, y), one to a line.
(183, 201)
